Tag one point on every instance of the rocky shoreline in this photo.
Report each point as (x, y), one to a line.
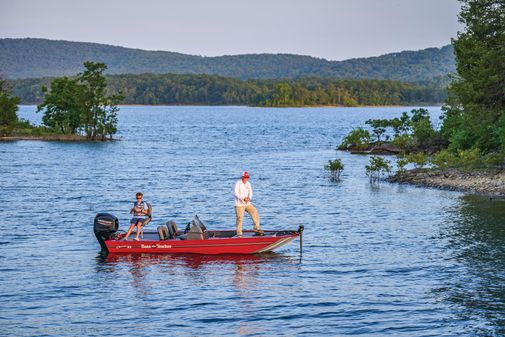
(488, 183)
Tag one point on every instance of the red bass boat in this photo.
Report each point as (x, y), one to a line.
(194, 239)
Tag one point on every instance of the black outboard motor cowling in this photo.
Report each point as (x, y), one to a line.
(105, 226)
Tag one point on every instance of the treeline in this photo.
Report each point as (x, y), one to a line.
(174, 89)
(43, 57)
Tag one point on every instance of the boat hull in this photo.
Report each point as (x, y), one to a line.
(211, 246)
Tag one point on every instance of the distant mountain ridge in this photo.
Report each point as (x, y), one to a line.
(32, 58)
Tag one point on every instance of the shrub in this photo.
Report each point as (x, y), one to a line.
(335, 168)
(444, 159)
(377, 168)
(419, 159)
(402, 141)
(358, 138)
(423, 132)
(465, 160)
(401, 162)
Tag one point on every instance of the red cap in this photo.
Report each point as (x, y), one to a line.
(245, 174)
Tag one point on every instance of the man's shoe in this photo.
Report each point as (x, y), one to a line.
(259, 232)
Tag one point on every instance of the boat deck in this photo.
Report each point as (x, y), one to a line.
(224, 234)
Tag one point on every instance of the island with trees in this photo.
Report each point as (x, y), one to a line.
(467, 153)
(74, 109)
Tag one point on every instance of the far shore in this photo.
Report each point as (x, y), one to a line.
(294, 106)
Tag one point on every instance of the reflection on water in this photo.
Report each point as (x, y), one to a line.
(476, 237)
(245, 267)
(239, 279)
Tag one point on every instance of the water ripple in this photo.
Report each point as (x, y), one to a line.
(388, 260)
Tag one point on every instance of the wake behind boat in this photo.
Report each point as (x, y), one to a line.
(194, 239)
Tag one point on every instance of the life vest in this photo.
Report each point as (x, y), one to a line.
(137, 205)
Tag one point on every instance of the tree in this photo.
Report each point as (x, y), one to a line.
(378, 127)
(100, 111)
(401, 126)
(475, 108)
(358, 138)
(282, 95)
(8, 105)
(63, 105)
(423, 132)
(377, 168)
(80, 105)
(335, 168)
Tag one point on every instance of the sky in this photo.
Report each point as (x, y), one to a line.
(330, 29)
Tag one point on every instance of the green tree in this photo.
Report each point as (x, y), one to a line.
(475, 108)
(419, 159)
(379, 127)
(423, 132)
(100, 110)
(358, 138)
(378, 167)
(63, 105)
(8, 105)
(401, 162)
(401, 126)
(335, 168)
(81, 105)
(283, 95)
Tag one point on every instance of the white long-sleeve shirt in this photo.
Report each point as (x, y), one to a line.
(241, 192)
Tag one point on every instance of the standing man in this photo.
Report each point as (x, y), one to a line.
(243, 194)
(140, 212)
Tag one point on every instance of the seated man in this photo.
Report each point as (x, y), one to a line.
(140, 213)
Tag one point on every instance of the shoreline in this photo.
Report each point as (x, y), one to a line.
(254, 106)
(490, 183)
(59, 138)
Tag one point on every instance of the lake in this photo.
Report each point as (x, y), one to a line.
(377, 260)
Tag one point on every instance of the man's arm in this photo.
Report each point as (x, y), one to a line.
(250, 194)
(236, 192)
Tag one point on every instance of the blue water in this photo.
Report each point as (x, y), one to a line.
(377, 260)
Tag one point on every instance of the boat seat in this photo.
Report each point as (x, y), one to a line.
(169, 231)
(148, 220)
(163, 232)
(172, 229)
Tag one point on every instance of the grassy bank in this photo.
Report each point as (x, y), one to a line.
(23, 130)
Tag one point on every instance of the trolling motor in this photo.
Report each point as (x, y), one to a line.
(300, 232)
(105, 225)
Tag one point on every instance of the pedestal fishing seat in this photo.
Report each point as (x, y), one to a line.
(148, 220)
(168, 232)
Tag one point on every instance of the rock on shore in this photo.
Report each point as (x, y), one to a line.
(491, 182)
(379, 148)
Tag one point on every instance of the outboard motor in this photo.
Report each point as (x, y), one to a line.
(105, 226)
(197, 230)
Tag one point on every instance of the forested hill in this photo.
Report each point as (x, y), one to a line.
(30, 58)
